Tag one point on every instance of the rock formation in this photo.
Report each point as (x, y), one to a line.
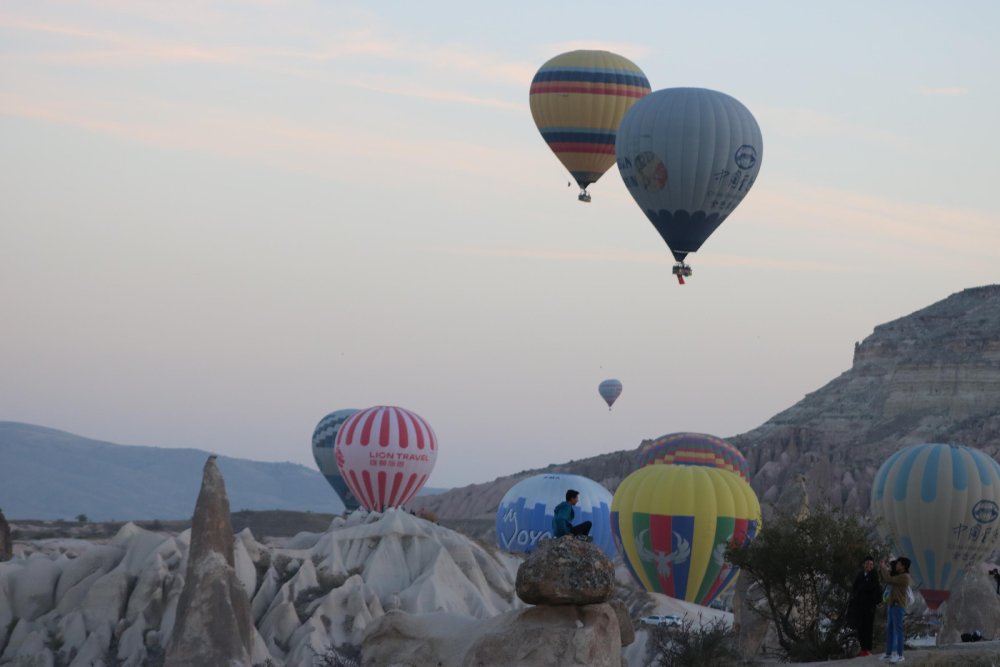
(556, 636)
(565, 571)
(974, 605)
(75, 602)
(6, 544)
(213, 627)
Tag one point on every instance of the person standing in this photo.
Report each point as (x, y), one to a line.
(866, 594)
(562, 522)
(899, 583)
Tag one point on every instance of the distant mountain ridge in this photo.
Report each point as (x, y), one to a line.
(51, 474)
(931, 376)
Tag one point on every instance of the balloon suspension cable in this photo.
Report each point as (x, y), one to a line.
(681, 270)
(584, 196)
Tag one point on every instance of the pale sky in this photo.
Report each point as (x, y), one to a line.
(220, 221)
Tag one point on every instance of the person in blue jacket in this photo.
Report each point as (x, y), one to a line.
(562, 522)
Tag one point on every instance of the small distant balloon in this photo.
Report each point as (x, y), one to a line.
(524, 516)
(694, 449)
(610, 390)
(323, 441)
(385, 454)
(939, 505)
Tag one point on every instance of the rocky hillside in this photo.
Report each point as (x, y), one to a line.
(932, 376)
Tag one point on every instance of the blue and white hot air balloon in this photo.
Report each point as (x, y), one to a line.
(526, 511)
(940, 507)
(323, 440)
(688, 156)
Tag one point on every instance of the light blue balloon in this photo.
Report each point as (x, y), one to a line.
(525, 514)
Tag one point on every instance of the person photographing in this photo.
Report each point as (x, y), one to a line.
(898, 579)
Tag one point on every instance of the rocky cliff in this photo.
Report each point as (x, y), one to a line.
(932, 376)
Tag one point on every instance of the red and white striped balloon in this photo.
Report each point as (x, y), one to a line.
(385, 454)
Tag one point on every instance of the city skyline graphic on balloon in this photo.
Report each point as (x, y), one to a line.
(385, 454)
(524, 515)
(939, 505)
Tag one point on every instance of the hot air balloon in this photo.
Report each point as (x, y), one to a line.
(688, 157)
(525, 514)
(323, 440)
(385, 454)
(610, 390)
(939, 504)
(577, 100)
(673, 523)
(694, 449)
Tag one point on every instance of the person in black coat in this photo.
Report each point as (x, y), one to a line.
(866, 594)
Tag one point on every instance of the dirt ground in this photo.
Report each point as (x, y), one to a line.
(952, 655)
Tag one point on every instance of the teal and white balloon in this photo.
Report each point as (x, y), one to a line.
(323, 440)
(940, 507)
(525, 514)
(688, 157)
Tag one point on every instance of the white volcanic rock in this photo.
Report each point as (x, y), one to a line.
(97, 558)
(106, 600)
(322, 590)
(32, 592)
(261, 602)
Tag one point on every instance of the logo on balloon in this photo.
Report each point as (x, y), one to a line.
(985, 511)
(746, 156)
(652, 172)
(512, 536)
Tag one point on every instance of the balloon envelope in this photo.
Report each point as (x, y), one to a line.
(939, 504)
(673, 523)
(610, 390)
(694, 449)
(525, 514)
(385, 454)
(323, 440)
(688, 156)
(577, 100)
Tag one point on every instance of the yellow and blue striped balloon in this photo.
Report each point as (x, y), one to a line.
(939, 504)
(673, 523)
(578, 100)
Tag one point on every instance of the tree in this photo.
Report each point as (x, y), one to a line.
(81, 518)
(804, 568)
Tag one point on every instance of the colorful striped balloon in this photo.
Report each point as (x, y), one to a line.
(694, 449)
(323, 440)
(577, 100)
(673, 524)
(385, 454)
(939, 504)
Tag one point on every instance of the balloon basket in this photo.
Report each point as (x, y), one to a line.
(584, 196)
(682, 271)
